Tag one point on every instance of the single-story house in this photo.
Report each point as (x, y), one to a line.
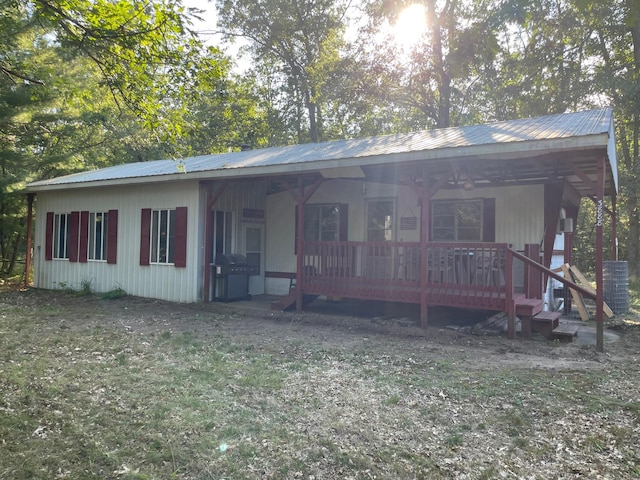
(463, 216)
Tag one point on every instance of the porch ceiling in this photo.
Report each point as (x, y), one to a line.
(578, 168)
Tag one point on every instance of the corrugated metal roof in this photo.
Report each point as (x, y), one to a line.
(281, 159)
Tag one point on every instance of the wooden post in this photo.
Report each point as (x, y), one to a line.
(599, 252)
(27, 260)
(510, 302)
(614, 227)
(299, 245)
(424, 237)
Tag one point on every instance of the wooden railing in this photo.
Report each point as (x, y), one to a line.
(475, 275)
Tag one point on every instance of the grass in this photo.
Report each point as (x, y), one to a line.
(84, 400)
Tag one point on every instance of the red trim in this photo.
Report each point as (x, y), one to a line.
(48, 241)
(180, 252)
(112, 237)
(74, 220)
(83, 250)
(145, 236)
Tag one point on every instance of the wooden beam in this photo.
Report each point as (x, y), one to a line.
(577, 298)
(591, 185)
(599, 253)
(577, 274)
(299, 244)
(614, 227)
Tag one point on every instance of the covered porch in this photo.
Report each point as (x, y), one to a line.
(556, 160)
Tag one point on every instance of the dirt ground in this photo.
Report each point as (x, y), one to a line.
(348, 325)
(365, 393)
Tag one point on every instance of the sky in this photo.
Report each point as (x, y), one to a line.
(206, 28)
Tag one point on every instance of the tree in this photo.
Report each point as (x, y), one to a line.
(86, 85)
(293, 39)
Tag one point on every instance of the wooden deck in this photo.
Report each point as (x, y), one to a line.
(470, 275)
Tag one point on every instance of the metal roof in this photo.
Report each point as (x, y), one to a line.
(510, 139)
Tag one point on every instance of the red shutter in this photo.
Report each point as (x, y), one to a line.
(84, 237)
(112, 237)
(73, 236)
(145, 236)
(48, 240)
(489, 220)
(180, 252)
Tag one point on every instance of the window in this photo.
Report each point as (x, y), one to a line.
(163, 227)
(163, 237)
(222, 230)
(380, 220)
(61, 235)
(81, 236)
(322, 222)
(98, 228)
(457, 220)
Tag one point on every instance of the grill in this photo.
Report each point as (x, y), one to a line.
(231, 278)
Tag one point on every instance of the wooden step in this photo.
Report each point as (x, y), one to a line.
(285, 301)
(528, 307)
(565, 332)
(545, 323)
(288, 302)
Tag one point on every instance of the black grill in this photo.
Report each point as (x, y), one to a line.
(231, 278)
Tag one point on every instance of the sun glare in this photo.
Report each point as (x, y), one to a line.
(410, 26)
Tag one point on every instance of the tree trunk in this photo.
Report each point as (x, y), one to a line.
(444, 78)
(14, 255)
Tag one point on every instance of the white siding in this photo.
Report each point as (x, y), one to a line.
(153, 281)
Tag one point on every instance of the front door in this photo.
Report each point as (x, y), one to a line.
(254, 251)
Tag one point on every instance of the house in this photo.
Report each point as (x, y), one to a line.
(463, 216)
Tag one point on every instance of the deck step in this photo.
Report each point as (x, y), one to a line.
(565, 332)
(528, 307)
(288, 301)
(285, 301)
(545, 323)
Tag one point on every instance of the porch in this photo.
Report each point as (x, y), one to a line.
(474, 275)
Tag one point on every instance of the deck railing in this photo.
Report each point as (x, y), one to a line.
(457, 274)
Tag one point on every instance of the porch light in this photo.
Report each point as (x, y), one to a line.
(468, 184)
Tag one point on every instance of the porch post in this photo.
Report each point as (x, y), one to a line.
(300, 200)
(614, 227)
(424, 237)
(599, 262)
(27, 260)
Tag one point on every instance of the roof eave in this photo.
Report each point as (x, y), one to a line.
(496, 151)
